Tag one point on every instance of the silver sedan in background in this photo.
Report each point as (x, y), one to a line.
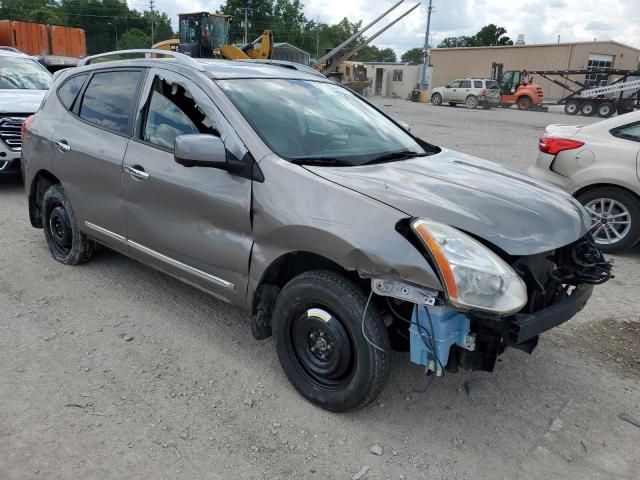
(600, 165)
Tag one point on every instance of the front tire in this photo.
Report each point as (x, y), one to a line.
(66, 243)
(615, 216)
(317, 328)
(436, 99)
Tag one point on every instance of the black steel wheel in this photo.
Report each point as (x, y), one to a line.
(66, 243)
(317, 328)
(572, 107)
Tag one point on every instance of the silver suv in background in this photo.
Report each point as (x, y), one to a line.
(469, 91)
(288, 195)
(23, 84)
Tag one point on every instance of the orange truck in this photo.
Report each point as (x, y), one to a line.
(58, 46)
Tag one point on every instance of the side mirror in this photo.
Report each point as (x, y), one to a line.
(200, 150)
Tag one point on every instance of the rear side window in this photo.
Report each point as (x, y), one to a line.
(109, 100)
(628, 132)
(465, 84)
(69, 90)
(477, 84)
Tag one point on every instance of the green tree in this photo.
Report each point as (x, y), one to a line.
(492, 35)
(462, 41)
(415, 55)
(260, 17)
(371, 53)
(134, 38)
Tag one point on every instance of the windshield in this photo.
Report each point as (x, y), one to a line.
(319, 123)
(23, 73)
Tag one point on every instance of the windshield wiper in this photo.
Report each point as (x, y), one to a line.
(390, 157)
(322, 162)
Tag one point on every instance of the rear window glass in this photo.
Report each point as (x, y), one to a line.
(628, 132)
(477, 83)
(493, 85)
(69, 89)
(109, 100)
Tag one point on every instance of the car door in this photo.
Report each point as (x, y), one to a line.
(450, 92)
(90, 145)
(192, 222)
(630, 132)
(463, 91)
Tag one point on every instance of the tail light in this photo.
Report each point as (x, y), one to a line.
(25, 125)
(554, 145)
(483, 92)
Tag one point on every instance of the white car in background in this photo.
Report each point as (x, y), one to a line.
(23, 84)
(600, 165)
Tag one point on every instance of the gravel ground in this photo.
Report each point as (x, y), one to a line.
(113, 370)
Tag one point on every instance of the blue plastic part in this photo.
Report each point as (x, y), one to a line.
(450, 326)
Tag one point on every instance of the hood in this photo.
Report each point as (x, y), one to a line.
(20, 101)
(513, 211)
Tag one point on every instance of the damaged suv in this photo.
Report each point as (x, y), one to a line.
(341, 233)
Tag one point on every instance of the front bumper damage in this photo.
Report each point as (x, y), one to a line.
(559, 285)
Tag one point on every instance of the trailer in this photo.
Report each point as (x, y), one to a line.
(622, 95)
(56, 46)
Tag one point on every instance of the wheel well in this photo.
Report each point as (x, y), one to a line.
(608, 185)
(40, 184)
(277, 275)
(524, 95)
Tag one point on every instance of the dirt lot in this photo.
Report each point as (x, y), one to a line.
(113, 370)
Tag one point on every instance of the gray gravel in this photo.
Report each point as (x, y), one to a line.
(192, 395)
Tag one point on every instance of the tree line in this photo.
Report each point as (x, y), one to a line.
(111, 25)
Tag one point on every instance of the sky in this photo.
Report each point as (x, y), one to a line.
(541, 21)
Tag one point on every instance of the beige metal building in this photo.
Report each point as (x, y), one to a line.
(451, 63)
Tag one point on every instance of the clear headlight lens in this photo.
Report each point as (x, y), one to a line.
(473, 276)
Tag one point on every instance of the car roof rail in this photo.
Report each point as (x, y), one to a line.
(180, 58)
(285, 64)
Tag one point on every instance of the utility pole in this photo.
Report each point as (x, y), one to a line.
(246, 24)
(317, 37)
(153, 18)
(423, 83)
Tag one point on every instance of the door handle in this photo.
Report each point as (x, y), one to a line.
(136, 172)
(62, 145)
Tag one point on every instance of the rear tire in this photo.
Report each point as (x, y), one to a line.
(471, 102)
(436, 99)
(66, 243)
(524, 103)
(605, 109)
(588, 109)
(572, 107)
(318, 338)
(626, 208)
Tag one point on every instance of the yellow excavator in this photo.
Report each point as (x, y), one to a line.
(206, 35)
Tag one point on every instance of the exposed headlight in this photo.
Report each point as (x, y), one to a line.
(473, 276)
